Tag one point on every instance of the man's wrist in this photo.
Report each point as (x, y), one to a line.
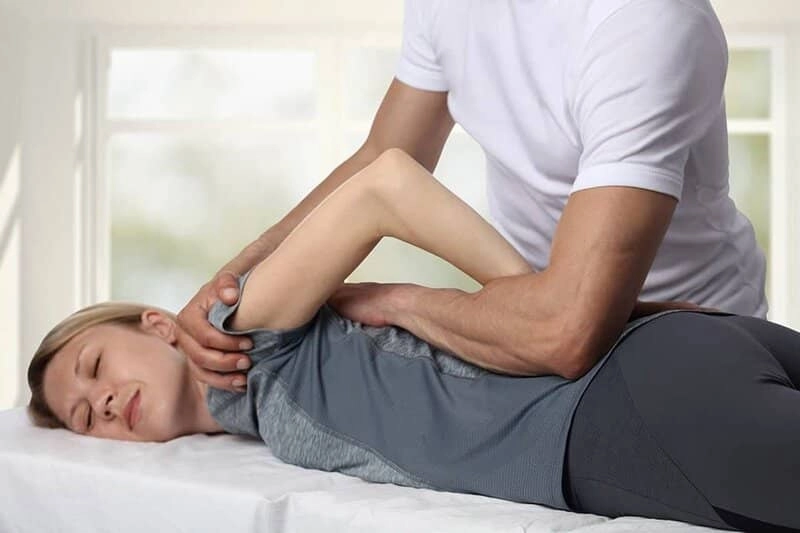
(401, 302)
(406, 300)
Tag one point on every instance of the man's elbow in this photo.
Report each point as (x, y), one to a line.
(565, 362)
(567, 346)
(562, 354)
(584, 349)
(556, 347)
(577, 365)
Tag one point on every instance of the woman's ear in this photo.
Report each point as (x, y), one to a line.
(157, 323)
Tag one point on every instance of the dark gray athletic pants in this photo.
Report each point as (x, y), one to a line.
(694, 417)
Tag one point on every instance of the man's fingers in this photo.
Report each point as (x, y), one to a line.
(220, 381)
(694, 307)
(209, 336)
(214, 357)
(210, 359)
(193, 319)
(215, 339)
(221, 361)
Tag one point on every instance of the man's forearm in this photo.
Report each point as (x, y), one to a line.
(498, 333)
(514, 325)
(266, 243)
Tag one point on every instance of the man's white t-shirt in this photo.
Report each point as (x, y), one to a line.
(565, 95)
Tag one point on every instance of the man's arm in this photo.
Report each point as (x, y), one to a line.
(414, 120)
(561, 320)
(648, 85)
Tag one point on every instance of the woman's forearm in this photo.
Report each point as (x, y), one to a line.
(393, 196)
(419, 210)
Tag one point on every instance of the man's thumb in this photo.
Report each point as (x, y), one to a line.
(228, 288)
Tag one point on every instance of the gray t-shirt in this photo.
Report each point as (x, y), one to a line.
(385, 406)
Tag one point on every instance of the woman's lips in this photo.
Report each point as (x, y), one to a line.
(132, 410)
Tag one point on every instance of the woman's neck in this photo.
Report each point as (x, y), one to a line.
(204, 422)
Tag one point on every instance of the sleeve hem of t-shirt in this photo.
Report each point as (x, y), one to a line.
(220, 313)
(420, 79)
(630, 175)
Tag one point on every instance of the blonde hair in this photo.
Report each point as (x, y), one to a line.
(120, 313)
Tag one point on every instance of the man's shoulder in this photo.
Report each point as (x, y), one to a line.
(660, 33)
(595, 13)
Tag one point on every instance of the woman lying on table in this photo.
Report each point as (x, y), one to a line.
(693, 415)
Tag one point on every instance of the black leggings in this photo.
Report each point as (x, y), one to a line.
(695, 418)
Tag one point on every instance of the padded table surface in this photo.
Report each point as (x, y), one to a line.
(54, 480)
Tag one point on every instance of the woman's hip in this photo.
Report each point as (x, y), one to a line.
(690, 417)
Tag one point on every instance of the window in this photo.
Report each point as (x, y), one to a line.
(207, 147)
(754, 100)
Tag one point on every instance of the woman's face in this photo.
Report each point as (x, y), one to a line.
(124, 382)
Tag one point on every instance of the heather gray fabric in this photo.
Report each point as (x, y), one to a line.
(383, 405)
(694, 418)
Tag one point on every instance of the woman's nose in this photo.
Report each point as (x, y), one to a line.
(104, 404)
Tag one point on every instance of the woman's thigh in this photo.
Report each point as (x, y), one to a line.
(694, 419)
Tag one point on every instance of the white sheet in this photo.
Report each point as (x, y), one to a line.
(53, 480)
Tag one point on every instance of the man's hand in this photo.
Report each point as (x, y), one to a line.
(214, 357)
(367, 303)
(649, 308)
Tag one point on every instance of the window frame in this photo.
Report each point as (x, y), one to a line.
(94, 281)
(775, 127)
(329, 45)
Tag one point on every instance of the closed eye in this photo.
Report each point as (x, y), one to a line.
(89, 410)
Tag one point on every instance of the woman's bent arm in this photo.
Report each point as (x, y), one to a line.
(394, 196)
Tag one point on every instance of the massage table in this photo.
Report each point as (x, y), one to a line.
(54, 480)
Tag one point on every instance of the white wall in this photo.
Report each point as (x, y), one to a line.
(12, 62)
(38, 92)
(733, 13)
(214, 12)
(763, 14)
(41, 75)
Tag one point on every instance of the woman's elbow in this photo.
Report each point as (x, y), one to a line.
(392, 173)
